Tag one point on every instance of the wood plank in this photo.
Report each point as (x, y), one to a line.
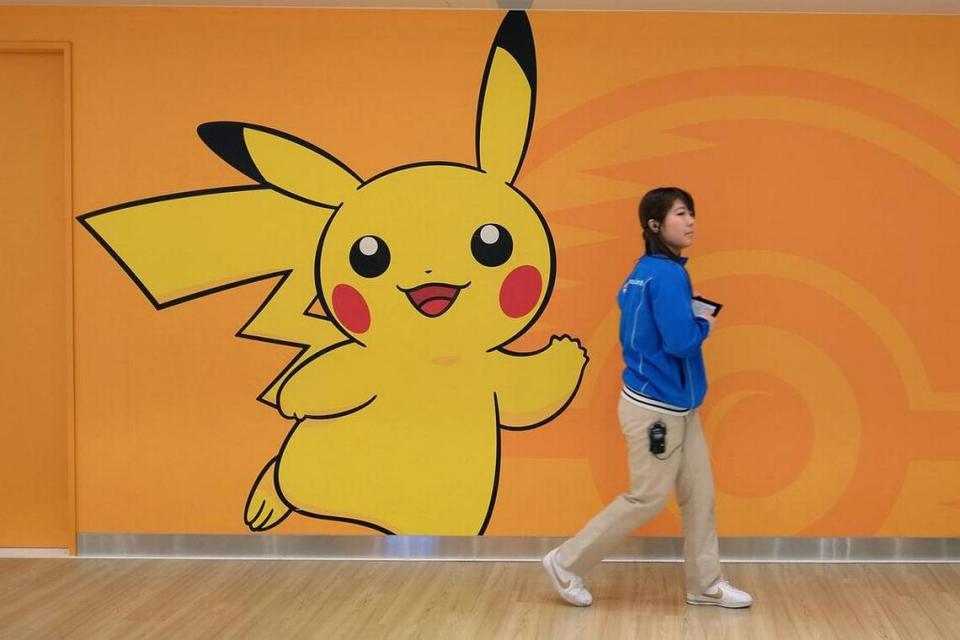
(88, 598)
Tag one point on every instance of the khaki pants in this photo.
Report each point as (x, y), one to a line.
(651, 482)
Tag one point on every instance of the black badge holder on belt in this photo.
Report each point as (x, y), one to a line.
(658, 440)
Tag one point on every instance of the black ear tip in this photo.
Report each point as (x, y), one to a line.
(226, 140)
(215, 134)
(517, 18)
(516, 37)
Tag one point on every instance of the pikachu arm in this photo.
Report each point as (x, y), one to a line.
(533, 388)
(334, 382)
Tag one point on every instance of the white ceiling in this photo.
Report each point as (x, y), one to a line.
(924, 7)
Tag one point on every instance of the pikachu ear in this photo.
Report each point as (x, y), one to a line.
(507, 99)
(287, 164)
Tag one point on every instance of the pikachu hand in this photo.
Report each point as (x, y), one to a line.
(569, 353)
(314, 394)
(290, 406)
(533, 388)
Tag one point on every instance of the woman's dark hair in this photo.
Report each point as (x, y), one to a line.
(655, 205)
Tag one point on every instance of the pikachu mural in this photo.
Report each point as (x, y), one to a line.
(403, 290)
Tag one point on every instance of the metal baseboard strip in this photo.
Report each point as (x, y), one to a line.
(503, 548)
(34, 552)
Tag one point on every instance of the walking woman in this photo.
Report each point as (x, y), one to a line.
(664, 383)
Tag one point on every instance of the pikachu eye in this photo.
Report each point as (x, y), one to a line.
(491, 245)
(370, 256)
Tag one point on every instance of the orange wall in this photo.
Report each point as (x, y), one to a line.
(822, 151)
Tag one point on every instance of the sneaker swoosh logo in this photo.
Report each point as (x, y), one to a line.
(564, 584)
(716, 596)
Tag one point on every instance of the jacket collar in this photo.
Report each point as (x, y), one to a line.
(659, 256)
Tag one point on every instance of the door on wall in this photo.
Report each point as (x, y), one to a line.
(36, 347)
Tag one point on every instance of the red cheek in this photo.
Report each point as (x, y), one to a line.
(351, 309)
(520, 291)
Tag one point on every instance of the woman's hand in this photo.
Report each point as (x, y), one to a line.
(706, 315)
(709, 317)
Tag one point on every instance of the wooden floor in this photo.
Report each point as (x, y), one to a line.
(71, 598)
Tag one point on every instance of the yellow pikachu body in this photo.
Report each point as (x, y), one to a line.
(424, 274)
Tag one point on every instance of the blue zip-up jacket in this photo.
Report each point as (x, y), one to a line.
(660, 335)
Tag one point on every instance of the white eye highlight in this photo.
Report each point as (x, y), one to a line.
(489, 233)
(368, 245)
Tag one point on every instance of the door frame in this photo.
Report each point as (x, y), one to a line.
(64, 50)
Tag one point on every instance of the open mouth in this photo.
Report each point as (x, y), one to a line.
(433, 299)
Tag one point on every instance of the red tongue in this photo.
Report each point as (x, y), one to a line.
(433, 299)
(435, 307)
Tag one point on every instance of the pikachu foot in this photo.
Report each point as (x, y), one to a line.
(265, 509)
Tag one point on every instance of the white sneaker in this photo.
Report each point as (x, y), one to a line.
(568, 585)
(722, 594)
